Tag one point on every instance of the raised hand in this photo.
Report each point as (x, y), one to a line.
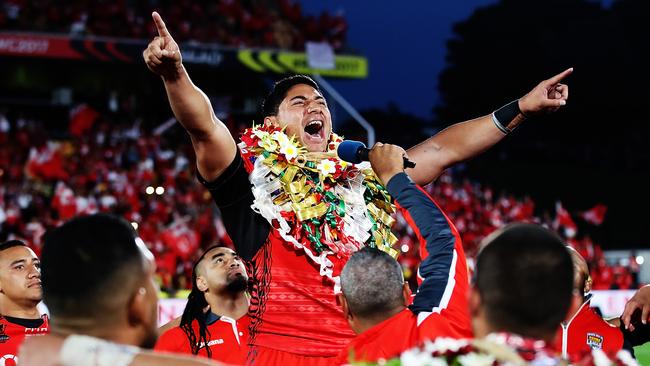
(547, 96)
(162, 55)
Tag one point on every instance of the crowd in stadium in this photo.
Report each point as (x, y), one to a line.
(285, 251)
(254, 23)
(45, 182)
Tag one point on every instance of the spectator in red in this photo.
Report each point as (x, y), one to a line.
(602, 275)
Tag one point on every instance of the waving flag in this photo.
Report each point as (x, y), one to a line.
(595, 215)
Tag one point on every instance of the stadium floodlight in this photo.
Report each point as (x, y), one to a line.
(160, 190)
(405, 248)
(149, 190)
(640, 259)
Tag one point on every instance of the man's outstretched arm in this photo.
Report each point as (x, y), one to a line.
(434, 232)
(213, 144)
(467, 139)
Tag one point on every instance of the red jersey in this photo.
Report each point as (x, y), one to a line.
(440, 306)
(585, 331)
(13, 332)
(293, 306)
(299, 312)
(392, 337)
(228, 339)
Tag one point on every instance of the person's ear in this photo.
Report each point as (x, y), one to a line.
(474, 302)
(344, 306)
(272, 120)
(201, 283)
(588, 283)
(138, 311)
(407, 294)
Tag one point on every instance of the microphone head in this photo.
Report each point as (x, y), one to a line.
(348, 150)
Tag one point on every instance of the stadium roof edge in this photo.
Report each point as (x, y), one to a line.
(106, 49)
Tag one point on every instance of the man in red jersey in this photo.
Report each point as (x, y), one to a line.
(584, 329)
(522, 290)
(20, 293)
(219, 281)
(376, 300)
(295, 315)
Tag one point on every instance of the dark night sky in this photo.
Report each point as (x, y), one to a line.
(405, 46)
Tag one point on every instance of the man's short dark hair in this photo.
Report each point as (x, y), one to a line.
(279, 91)
(372, 282)
(525, 278)
(11, 243)
(87, 264)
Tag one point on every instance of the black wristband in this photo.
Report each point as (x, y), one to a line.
(506, 114)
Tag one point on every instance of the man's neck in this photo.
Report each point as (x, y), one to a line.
(26, 310)
(232, 305)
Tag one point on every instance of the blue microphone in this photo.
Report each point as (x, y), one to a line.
(355, 152)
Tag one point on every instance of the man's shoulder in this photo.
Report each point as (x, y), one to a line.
(386, 339)
(404, 322)
(368, 350)
(173, 339)
(591, 320)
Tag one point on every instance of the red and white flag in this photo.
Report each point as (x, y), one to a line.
(563, 220)
(595, 215)
(82, 118)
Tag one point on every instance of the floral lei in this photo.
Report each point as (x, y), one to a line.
(494, 350)
(317, 202)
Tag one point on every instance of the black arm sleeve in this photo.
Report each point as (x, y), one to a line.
(231, 191)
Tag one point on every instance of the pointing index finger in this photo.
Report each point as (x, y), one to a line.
(160, 25)
(557, 78)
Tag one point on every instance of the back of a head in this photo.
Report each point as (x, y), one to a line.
(279, 92)
(372, 283)
(581, 278)
(524, 275)
(89, 265)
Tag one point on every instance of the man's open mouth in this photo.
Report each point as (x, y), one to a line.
(314, 132)
(314, 128)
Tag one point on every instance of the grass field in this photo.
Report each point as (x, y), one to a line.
(642, 354)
